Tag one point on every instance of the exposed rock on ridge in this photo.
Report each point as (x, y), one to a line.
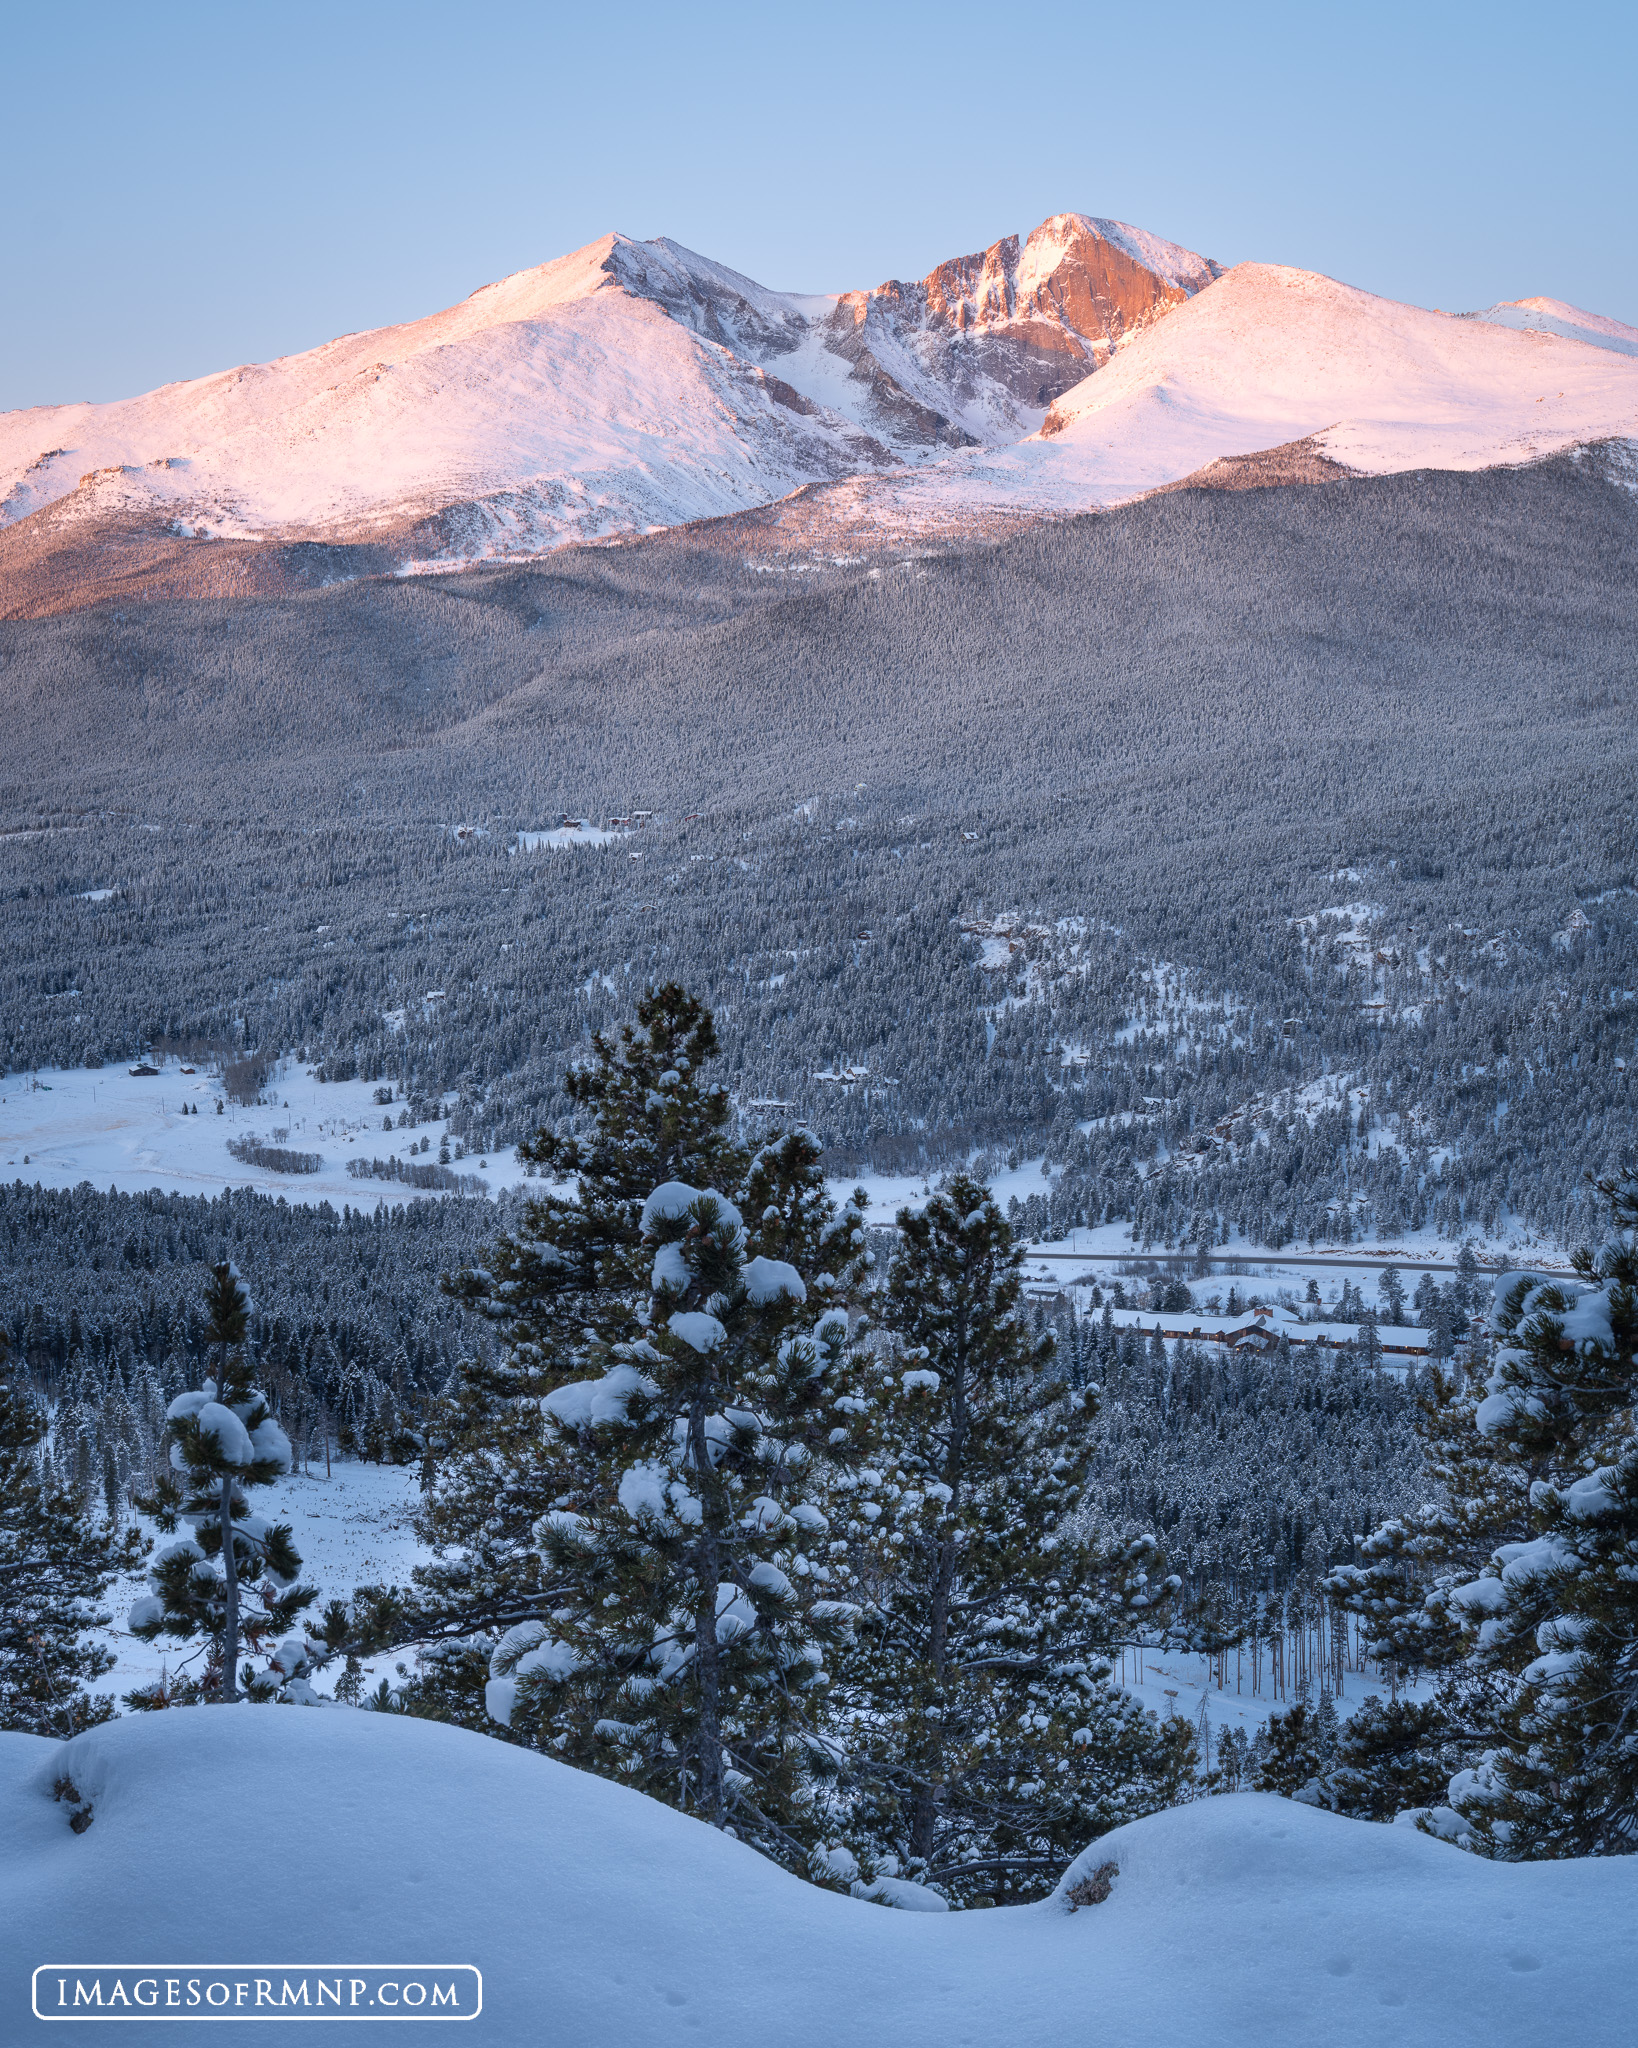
(1002, 333)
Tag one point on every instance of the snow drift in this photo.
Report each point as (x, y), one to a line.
(598, 1917)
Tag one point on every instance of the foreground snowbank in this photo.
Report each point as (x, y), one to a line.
(263, 1834)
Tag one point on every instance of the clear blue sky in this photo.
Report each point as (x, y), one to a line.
(187, 187)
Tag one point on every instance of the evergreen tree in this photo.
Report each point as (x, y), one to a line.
(1415, 1562)
(1290, 1760)
(55, 1565)
(1562, 1780)
(235, 1579)
(560, 1285)
(1384, 1758)
(1387, 1756)
(985, 1745)
(560, 1290)
(1516, 1581)
(683, 1555)
(570, 1284)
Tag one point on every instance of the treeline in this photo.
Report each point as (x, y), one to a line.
(100, 1294)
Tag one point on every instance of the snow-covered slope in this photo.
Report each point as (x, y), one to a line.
(283, 1836)
(626, 386)
(557, 404)
(635, 385)
(1267, 358)
(1553, 316)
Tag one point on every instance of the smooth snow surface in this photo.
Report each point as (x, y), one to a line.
(60, 1126)
(602, 1920)
(1553, 316)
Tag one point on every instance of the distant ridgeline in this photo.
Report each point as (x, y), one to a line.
(1267, 859)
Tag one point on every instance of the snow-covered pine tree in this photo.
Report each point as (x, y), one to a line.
(559, 1290)
(1290, 1761)
(561, 1283)
(985, 1744)
(569, 1284)
(235, 1579)
(1404, 1593)
(1562, 1778)
(1387, 1756)
(55, 1565)
(686, 1605)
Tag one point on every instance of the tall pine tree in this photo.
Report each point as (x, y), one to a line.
(558, 1291)
(683, 1558)
(562, 1291)
(56, 1564)
(1562, 1779)
(984, 1742)
(1516, 1583)
(236, 1577)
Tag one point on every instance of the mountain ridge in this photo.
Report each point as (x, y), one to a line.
(631, 386)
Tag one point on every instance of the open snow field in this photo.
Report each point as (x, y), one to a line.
(1104, 1253)
(352, 1528)
(600, 1919)
(61, 1126)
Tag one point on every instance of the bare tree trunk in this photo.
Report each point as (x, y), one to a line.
(713, 1804)
(712, 1799)
(230, 1623)
(924, 1807)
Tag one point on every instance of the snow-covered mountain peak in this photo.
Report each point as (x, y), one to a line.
(630, 385)
(976, 351)
(1282, 375)
(1073, 239)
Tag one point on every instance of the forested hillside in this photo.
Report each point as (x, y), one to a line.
(1266, 858)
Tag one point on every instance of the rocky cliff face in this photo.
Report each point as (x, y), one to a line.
(979, 349)
(972, 354)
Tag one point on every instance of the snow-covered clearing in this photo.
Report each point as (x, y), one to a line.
(600, 1919)
(352, 1527)
(577, 832)
(61, 1126)
(1173, 1682)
